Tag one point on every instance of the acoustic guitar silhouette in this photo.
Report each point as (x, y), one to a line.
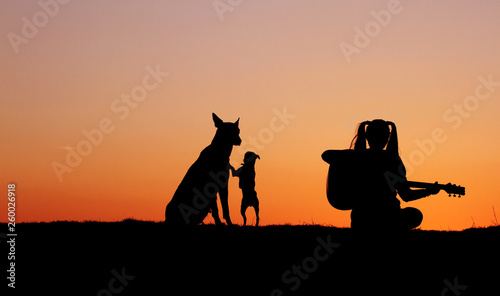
(350, 171)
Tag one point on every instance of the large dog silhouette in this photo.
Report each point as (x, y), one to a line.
(209, 175)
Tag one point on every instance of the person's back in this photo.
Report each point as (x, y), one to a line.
(380, 195)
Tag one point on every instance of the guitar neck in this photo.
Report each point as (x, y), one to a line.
(423, 184)
(449, 188)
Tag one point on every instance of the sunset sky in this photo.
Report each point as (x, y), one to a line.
(300, 75)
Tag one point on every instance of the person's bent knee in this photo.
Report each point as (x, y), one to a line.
(413, 217)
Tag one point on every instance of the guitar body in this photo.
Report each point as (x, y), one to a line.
(354, 175)
(337, 189)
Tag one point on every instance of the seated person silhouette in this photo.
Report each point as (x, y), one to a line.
(368, 180)
(246, 173)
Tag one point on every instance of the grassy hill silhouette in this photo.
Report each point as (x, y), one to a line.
(145, 258)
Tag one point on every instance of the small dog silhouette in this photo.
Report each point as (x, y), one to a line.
(209, 175)
(246, 173)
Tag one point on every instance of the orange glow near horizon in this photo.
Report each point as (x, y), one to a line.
(429, 71)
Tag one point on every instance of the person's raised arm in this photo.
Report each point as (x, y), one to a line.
(407, 194)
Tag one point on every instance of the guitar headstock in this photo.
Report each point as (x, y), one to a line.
(454, 189)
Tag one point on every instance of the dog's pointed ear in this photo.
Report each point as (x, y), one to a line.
(218, 122)
(237, 122)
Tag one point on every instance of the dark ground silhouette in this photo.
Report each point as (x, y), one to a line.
(145, 258)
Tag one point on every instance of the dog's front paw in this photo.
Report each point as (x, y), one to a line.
(228, 221)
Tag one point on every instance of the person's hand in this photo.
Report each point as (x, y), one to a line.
(433, 189)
